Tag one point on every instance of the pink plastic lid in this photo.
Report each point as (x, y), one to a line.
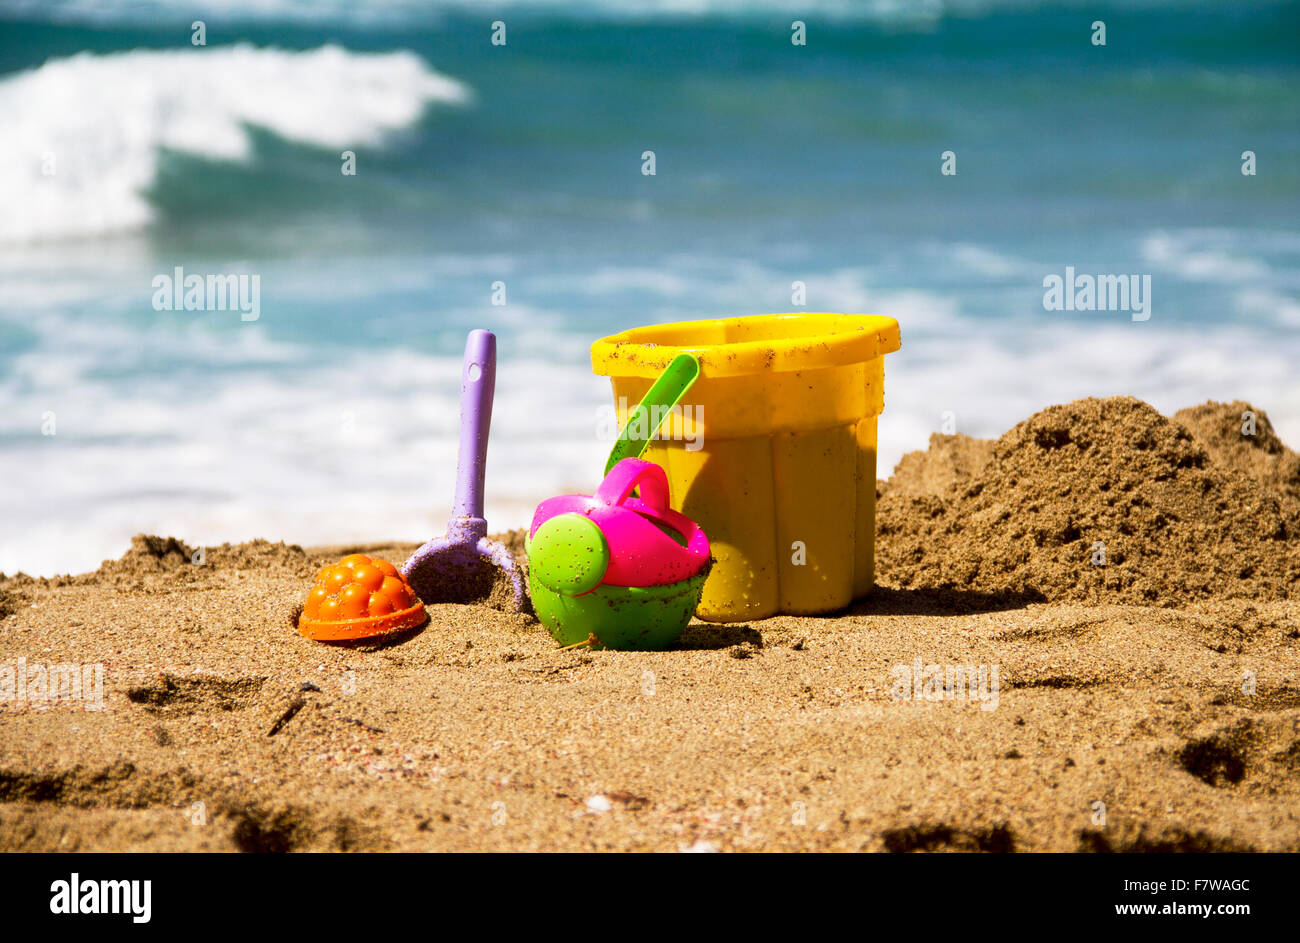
(640, 553)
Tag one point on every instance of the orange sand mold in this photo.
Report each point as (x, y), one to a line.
(359, 597)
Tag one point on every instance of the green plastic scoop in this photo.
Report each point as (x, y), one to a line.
(665, 393)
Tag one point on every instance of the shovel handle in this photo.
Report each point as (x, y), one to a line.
(477, 383)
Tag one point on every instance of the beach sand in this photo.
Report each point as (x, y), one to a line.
(1150, 704)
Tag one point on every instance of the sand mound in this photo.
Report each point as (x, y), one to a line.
(10, 602)
(260, 553)
(950, 461)
(160, 564)
(151, 554)
(1225, 429)
(1099, 499)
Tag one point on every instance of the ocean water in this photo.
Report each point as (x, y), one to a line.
(332, 416)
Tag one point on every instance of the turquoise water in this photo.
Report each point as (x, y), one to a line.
(332, 416)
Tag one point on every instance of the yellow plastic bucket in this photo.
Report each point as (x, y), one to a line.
(773, 452)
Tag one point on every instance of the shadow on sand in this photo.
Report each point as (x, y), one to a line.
(884, 601)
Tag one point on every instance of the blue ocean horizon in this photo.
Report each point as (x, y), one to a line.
(515, 172)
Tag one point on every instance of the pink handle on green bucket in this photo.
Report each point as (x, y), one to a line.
(633, 473)
(639, 553)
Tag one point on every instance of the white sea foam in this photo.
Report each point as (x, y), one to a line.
(364, 448)
(1202, 256)
(712, 286)
(256, 436)
(1268, 304)
(987, 263)
(84, 133)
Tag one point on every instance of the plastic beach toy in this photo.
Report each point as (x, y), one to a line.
(628, 571)
(644, 421)
(773, 453)
(359, 597)
(464, 566)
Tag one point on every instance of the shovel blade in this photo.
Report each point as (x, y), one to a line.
(461, 571)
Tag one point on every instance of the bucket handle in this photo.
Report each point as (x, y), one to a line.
(634, 473)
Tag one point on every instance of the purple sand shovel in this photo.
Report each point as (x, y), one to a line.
(465, 566)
